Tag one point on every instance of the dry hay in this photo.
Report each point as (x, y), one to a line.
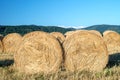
(11, 42)
(69, 33)
(112, 40)
(85, 51)
(59, 36)
(39, 52)
(96, 32)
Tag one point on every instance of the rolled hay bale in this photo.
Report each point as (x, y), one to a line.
(59, 36)
(85, 51)
(39, 52)
(96, 32)
(11, 42)
(112, 40)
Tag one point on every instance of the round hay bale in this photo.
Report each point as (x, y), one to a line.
(11, 42)
(39, 52)
(59, 36)
(112, 40)
(85, 51)
(96, 32)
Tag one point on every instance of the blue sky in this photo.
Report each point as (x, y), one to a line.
(59, 12)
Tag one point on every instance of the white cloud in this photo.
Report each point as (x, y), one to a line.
(76, 27)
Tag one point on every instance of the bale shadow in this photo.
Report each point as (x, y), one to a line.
(4, 63)
(114, 60)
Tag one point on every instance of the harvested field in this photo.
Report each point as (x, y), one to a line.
(35, 58)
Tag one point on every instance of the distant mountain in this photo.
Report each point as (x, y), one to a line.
(104, 27)
(23, 29)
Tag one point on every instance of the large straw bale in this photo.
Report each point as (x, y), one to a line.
(11, 42)
(85, 51)
(112, 40)
(39, 52)
(96, 32)
(59, 36)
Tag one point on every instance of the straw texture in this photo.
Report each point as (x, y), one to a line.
(112, 40)
(85, 51)
(11, 42)
(39, 52)
(59, 36)
(69, 33)
(96, 32)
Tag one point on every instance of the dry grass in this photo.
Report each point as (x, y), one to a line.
(59, 36)
(112, 40)
(85, 51)
(38, 52)
(7, 73)
(11, 42)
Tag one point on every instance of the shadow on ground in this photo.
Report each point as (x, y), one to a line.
(4, 63)
(114, 60)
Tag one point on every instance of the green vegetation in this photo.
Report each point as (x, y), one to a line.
(104, 27)
(23, 29)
